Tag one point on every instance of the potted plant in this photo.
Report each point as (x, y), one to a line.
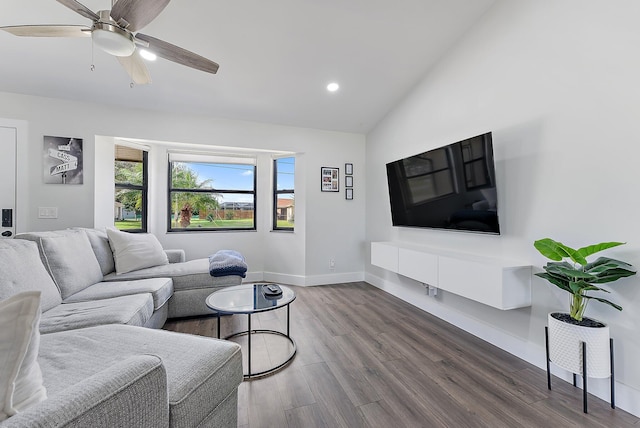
(570, 271)
(581, 277)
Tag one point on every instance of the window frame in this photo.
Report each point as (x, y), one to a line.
(213, 190)
(277, 192)
(144, 188)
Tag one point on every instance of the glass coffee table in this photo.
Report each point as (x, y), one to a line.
(250, 299)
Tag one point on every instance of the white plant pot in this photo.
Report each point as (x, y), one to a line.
(565, 348)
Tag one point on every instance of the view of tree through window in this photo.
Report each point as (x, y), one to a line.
(211, 196)
(130, 177)
(283, 193)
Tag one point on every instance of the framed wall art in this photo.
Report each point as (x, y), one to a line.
(348, 194)
(62, 160)
(330, 181)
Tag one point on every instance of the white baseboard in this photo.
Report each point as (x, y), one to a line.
(283, 278)
(334, 278)
(627, 398)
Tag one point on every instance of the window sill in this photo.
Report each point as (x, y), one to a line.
(210, 231)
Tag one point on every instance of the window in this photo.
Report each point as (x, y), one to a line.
(283, 193)
(131, 171)
(207, 193)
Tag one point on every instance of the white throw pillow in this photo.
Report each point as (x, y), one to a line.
(20, 376)
(133, 251)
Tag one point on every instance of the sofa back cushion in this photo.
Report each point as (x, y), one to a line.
(71, 261)
(101, 248)
(36, 236)
(22, 270)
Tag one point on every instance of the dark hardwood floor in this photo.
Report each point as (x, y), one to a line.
(368, 359)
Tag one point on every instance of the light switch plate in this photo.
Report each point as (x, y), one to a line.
(47, 212)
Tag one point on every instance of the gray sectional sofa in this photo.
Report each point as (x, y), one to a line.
(192, 282)
(101, 363)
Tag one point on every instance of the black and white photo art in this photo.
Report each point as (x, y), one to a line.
(62, 160)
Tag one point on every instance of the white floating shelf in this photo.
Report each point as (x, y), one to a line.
(495, 281)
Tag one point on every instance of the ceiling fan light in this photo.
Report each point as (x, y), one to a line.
(148, 55)
(112, 39)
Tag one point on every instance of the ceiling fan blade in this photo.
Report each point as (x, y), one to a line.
(137, 13)
(80, 8)
(177, 54)
(48, 30)
(135, 67)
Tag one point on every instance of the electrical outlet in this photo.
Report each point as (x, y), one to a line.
(430, 290)
(47, 212)
(332, 264)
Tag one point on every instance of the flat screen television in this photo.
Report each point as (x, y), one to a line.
(451, 187)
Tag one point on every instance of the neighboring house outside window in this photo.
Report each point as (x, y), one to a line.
(131, 181)
(211, 193)
(283, 193)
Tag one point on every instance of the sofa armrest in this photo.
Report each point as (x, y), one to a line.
(131, 393)
(176, 256)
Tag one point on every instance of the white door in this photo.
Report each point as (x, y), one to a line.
(8, 142)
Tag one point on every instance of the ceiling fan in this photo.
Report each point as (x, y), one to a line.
(114, 31)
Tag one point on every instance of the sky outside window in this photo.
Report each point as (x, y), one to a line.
(286, 170)
(224, 175)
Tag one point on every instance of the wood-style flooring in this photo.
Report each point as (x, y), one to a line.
(368, 359)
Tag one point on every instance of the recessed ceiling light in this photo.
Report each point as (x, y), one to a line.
(149, 56)
(332, 87)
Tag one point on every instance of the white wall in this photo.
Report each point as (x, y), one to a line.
(287, 256)
(557, 83)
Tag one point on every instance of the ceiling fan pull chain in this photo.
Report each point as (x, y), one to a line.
(131, 74)
(93, 67)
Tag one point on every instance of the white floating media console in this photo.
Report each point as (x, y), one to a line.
(497, 282)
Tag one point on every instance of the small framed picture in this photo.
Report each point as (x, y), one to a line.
(329, 179)
(348, 194)
(348, 169)
(348, 181)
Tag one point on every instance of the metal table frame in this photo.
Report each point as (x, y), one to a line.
(249, 332)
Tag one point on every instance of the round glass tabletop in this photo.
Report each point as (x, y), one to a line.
(248, 299)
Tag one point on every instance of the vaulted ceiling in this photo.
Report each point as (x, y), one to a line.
(276, 57)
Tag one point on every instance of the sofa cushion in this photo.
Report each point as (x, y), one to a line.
(22, 270)
(133, 251)
(71, 261)
(130, 393)
(161, 289)
(21, 382)
(132, 310)
(36, 236)
(201, 372)
(190, 275)
(101, 248)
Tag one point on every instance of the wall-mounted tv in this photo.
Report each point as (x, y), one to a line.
(451, 187)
